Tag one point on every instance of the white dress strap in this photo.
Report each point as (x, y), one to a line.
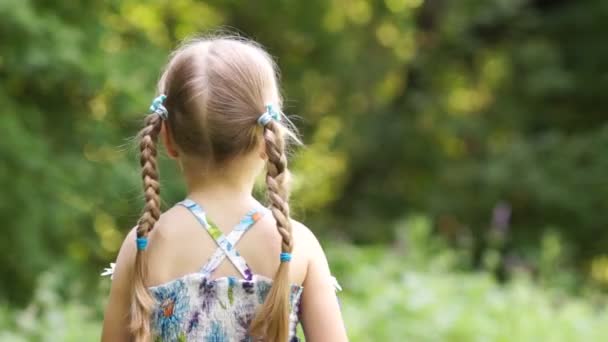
(225, 244)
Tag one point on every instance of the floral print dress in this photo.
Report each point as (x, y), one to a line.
(197, 307)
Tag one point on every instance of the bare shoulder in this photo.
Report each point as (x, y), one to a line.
(299, 230)
(165, 228)
(307, 245)
(128, 250)
(305, 239)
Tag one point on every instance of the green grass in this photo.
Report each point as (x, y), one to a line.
(412, 293)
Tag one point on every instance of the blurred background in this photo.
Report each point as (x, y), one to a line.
(455, 162)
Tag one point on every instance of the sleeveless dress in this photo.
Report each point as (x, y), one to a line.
(197, 307)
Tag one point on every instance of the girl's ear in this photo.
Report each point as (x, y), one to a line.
(165, 133)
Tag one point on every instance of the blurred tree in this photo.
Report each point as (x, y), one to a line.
(407, 106)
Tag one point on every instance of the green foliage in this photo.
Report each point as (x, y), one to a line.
(442, 107)
(396, 305)
(413, 291)
(48, 317)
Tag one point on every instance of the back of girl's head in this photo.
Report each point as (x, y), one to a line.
(216, 90)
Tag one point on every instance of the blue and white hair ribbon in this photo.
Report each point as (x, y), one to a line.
(158, 107)
(269, 115)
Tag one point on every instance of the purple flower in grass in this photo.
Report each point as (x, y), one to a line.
(501, 215)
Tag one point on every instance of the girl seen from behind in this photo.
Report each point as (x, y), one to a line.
(180, 275)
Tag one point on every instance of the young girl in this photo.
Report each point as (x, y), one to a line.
(181, 276)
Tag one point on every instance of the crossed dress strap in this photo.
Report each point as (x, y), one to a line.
(225, 243)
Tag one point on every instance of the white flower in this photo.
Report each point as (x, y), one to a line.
(109, 271)
(337, 286)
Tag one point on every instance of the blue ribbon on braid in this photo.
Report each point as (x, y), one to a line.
(142, 243)
(285, 257)
(158, 107)
(269, 115)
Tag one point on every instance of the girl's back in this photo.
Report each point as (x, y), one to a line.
(209, 289)
(220, 266)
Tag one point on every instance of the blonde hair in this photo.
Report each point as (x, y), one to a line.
(216, 90)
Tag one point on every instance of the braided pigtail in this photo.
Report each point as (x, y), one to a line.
(272, 321)
(142, 301)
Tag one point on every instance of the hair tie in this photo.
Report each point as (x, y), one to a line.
(158, 107)
(269, 115)
(142, 243)
(285, 257)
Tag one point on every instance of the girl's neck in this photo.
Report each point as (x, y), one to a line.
(229, 185)
(222, 187)
(220, 193)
